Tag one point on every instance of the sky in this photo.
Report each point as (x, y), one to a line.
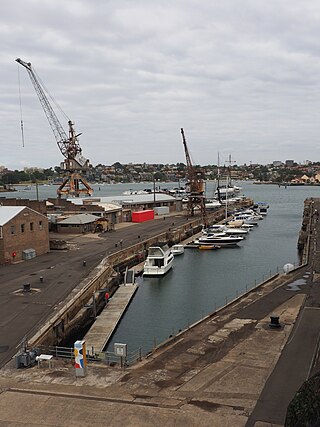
(242, 78)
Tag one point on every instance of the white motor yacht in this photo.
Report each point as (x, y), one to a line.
(246, 218)
(177, 250)
(222, 228)
(261, 208)
(212, 204)
(240, 224)
(252, 212)
(220, 239)
(159, 260)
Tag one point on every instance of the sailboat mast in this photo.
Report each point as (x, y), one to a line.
(218, 180)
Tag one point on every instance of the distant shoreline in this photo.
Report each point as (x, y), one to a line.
(288, 184)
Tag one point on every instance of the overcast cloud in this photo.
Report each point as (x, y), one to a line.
(241, 78)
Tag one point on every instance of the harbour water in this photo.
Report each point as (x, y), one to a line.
(203, 281)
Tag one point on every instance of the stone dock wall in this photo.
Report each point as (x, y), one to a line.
(306, 230)
(75, 313)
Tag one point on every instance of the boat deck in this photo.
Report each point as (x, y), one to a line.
(104, 326)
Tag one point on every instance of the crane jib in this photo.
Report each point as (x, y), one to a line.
(69, 146)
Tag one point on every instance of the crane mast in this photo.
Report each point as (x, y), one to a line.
(74, 183)
(196, 196)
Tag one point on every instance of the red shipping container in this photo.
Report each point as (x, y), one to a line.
(141, 216)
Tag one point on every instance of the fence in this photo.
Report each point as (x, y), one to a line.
(106, 357)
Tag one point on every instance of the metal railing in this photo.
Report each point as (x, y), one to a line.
(106, 357)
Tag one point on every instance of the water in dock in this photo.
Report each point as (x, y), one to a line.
(202, 281)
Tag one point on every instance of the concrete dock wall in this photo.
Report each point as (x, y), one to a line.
(60, 325)
(106, 276)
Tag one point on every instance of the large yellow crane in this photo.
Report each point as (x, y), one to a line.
(74, 184)
(196, 194)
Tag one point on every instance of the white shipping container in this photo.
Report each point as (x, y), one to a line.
(161, 210)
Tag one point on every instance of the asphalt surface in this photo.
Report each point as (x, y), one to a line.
(23, 313)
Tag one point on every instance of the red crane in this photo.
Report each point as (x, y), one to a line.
(196, 194)
(74, 183)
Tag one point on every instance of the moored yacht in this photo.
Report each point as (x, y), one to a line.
(221, 228)
(246, 218)
(220, 239)
(240, 224)
(177, 250)
(159, 260)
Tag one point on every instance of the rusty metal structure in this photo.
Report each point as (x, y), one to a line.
(196, 193)
(74, 165)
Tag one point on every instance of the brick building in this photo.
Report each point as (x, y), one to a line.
(23, 233)
(36, 205)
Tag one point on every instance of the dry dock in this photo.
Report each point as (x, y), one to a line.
(229, 370)
(106, 323)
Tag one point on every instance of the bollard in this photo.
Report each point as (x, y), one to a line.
(84, 263)
(274, 321)
(27, 287)
(41, 279)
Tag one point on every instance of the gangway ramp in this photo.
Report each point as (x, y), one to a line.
(104, 326)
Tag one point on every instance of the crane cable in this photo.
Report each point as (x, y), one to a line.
(50, 95)
(21, 118)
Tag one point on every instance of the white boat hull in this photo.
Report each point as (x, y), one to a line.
(157, 271)
(177, 250)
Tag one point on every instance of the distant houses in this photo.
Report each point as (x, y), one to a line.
(305, 179)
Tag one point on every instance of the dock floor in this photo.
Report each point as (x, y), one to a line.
(105, 324)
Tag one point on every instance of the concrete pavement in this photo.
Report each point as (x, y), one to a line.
(209, 375)
(230, 369)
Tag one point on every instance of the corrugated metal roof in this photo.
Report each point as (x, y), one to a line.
(130, 199)
(9, 212)
(79, 219)
(108, 206)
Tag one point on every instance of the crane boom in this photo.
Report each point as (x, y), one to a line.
(196, 196)
(186, 151)
(69, 146)
(195, 176)
(73, 184)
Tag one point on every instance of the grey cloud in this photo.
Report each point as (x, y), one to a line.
(240, 77)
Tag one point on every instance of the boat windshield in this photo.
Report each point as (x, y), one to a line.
(155, 252)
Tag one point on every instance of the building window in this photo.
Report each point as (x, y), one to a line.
(31, 226)
(40, 225)
(12, 229)
(22, 228)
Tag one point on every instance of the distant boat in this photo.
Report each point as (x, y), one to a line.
(208, 247)
(177, 249)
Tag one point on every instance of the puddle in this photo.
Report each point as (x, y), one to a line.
(295, 286)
